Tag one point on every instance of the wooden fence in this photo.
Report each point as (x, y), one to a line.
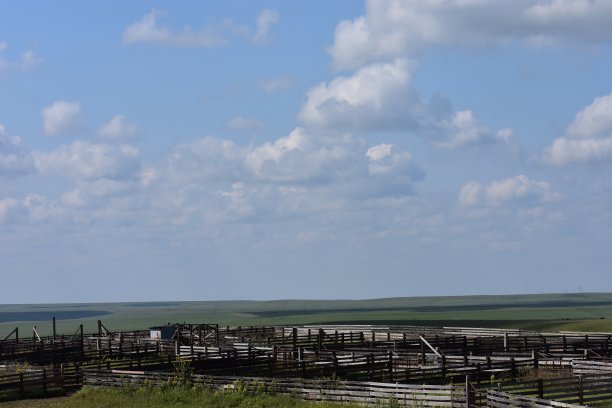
(318, 390)
(44, 382)
(498, 399)
(571, 390)
(592, 367)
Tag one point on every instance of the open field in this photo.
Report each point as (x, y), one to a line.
(578, 311)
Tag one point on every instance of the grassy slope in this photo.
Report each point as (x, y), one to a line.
(585, 311)
(153, 398)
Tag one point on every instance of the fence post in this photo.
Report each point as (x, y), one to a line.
(541, 388)
(335, 365)
(423, 360)
(390, 366)
(61, 373)
(45, 382)
(443, 368)
(20, 385)
(320, 339)
(191, 339)
(580, 390)
(468, 399)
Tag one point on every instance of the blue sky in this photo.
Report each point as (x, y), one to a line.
(304, 149)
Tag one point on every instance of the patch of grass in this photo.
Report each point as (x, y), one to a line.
(149, 397)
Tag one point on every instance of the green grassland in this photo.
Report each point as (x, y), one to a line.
(172, 397)
(576, 311)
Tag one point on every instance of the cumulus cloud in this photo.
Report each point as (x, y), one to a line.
(83, 160)
(379, 152)
(28, 59)
(265, 19)
(517, 189)
(148, 30)
(593, 121)
(588, 139)
(117, 129)
(283, 168)
(62, 118)
(14, 159)
(462, 129)
(377, 96)
(393, 28)
(393, 169)
(6, 205)
(244, 124)
(470, 193)
(274, 152)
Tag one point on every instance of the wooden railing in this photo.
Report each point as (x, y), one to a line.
(571, 390)
(318, 390)
(29, 384)
(498, 399)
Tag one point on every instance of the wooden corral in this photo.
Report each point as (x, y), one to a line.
(403, 356)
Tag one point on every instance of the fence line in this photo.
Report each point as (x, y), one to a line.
(498, 399)
(318, 390)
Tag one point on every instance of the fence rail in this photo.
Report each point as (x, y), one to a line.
(571, 390)
(498, 399)
(319, 390)
(31, 384)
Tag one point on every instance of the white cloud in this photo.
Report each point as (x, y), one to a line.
(274, 152)
(148, 30)
(41, 208)
(265, 19)
(378, 152)
(393, 28)
(504, 134)
(244, 124)
(294, 173)
(384, 159)
(588, 139)
(517, 189)
(278, 84)
(148, 176)
(379, 97)
(117, 129)
(62, 118)
(470, 193)
(566, 150)
(28, 59)
(462, 129)
(13, 158)
(593, 121)
(375, 97)
(83, 160)
(7, 204)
